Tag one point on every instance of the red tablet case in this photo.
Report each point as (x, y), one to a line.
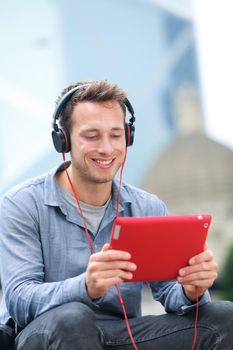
(161, 245)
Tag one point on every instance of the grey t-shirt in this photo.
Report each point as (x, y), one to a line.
(92, 214)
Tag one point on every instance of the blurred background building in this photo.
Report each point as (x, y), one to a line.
(170, 57)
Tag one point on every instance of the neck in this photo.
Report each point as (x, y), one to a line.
(95, 194)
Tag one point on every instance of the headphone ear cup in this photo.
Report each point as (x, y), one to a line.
(61, 140)
(129, 134)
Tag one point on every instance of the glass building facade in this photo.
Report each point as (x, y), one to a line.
(147, 47)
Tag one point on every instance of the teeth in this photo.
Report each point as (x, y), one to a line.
(104, 162)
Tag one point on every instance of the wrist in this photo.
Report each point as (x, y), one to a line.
(191, 293)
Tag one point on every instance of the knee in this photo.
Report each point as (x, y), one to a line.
(65, 327)
(73, 316)
(219, 313)
(220, 308)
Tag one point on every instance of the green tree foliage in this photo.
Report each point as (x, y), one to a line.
(226, 279)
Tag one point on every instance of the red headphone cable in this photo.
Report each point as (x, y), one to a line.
(78, 203)
(196, 321)
(89, 239)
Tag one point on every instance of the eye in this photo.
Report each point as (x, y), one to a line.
(117, 134)
(91, 137)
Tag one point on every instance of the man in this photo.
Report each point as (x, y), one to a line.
(58, 273)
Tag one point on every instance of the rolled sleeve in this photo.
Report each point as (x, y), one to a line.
(171, 295)
(75, 290)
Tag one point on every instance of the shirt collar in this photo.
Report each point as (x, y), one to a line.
(52, 190)
(53, 195)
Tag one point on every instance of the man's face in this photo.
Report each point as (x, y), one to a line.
(97, 141)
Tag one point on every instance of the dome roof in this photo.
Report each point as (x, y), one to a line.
(194, 167)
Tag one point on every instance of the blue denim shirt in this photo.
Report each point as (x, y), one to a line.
(44, 253)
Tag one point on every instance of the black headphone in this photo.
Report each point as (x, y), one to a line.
(61, 136)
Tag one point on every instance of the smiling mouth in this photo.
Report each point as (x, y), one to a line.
(103, 163)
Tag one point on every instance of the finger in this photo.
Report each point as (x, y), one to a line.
(104, 285)
(105, 247)
(203, 266)
(111, 265)
(109, 274)
(201, 284)
(206, 255)
(110, 255)
(197, 277)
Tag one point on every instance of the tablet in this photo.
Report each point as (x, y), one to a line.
(161, 245)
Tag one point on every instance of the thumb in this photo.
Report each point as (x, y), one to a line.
(105, 247)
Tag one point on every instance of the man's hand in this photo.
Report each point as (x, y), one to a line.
(201, 273)
(107, 268)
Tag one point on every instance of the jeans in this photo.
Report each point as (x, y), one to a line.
(73, 326)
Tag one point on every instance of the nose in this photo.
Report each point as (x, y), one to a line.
(105, 145)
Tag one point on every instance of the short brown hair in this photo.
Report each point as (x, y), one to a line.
(97, 91)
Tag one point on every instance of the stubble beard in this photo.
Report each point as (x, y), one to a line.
(87, 177)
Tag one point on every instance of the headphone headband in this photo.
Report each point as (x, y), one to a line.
(63, 101)
(61, 137)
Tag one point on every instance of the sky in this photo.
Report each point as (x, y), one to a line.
(214, 28)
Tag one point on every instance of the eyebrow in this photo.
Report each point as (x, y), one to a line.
(97, 130)
(118, 128)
